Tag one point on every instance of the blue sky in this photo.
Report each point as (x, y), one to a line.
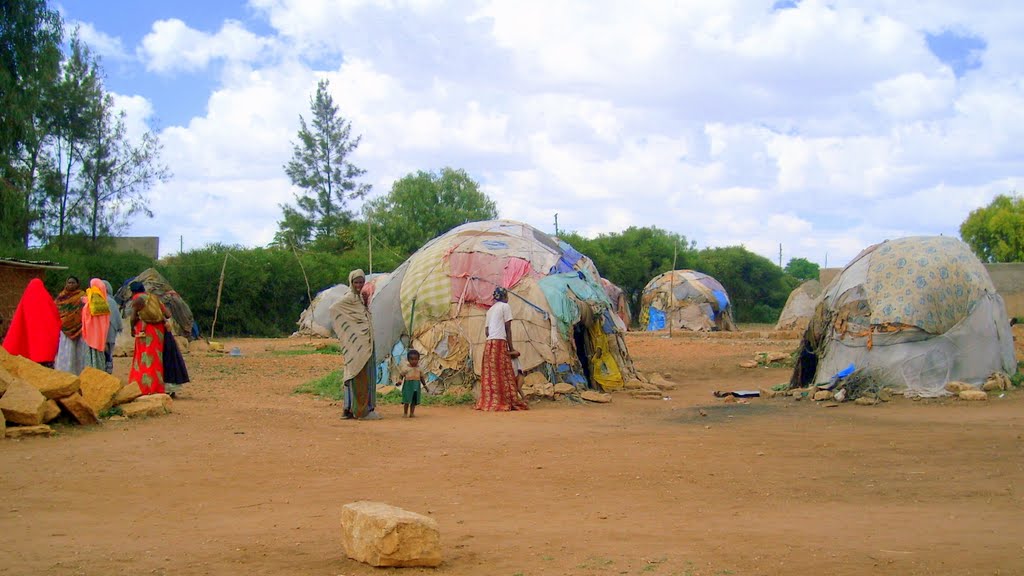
(823, 126)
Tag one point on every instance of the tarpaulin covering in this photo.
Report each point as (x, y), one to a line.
(444, 289)
(689, 300)
(911, 314)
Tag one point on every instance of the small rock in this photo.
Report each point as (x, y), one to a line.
(866, 401)
(82, 411)
(23, 431)
(116, 418)
(634, 385)
(151, 405)
(822, 395)
(667, 376)
(996, 382)
(730, 400)
(383, 535)
(774, 357)
(956, 387)
(215, 346)
(973, 395)
(749, 364)
(885, 395)
(595, 396)
(563, 388)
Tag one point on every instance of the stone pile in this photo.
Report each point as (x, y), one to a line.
(31, 396)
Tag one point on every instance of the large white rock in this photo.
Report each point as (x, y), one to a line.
(383, 535)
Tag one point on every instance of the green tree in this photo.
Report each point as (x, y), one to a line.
(757, 287)
(30, 38)
(802, 269)
(116, 173)
(78, 104)
(996, 232)
(424, 205)
(321, 167)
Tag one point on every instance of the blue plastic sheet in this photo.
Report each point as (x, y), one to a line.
(576, 380)
(656, 319)
(723, 299)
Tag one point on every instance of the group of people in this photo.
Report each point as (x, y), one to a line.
(78, 329)
(500, 378)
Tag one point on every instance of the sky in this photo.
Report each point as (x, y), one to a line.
(823, 126)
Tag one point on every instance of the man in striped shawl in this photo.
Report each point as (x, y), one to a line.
(355, 332)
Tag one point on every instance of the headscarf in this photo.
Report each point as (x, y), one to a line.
(34, 331)
(115, 316)
(351, 320)
(95, 328)
(357, 273)
(69, 305)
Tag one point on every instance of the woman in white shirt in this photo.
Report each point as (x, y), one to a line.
(498, 391)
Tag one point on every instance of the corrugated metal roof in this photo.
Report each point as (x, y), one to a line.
(39, 264)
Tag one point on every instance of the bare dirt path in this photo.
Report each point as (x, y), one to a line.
(247, 478)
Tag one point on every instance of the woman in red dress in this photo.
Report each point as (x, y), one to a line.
(499, 390)
(147, 320)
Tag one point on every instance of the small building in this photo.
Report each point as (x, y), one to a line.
(14, 277)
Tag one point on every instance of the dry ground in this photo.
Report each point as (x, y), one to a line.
(247, 478)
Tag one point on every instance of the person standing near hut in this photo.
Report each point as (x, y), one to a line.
(95, 324)
(355, 332)
(34, 331)
(149, 329)
(498, 387)
(72, 350)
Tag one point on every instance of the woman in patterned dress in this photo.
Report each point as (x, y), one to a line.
(147, 369)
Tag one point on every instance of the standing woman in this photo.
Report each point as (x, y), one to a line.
(115, 327)
(355, 331)
(96, 324)
(72, 350)
(35, 327)
(498, 387)
(148, 328)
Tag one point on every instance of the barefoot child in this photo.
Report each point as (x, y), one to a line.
(412, 382)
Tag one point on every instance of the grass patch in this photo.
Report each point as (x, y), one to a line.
(332, 349)
(112, 411)
(327, 386)
(330, 386)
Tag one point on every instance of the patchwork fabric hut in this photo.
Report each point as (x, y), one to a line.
(564, 325)
(690, 300)
(800, 305)
(619, 300)
(911, 314)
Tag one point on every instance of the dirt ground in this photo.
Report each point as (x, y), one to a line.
(247, 478)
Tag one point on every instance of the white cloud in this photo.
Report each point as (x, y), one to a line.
(173, 46)
(104, 45)
(825, 128)
(138, 110)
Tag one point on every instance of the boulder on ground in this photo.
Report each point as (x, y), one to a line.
(80, 409)
(634, 385)
(536, 384)
(127, 393)
(23, 404)
(595, 396)
(151, 405)
(22, 431)
(997, 382)
(52, 411)
(973, 395)
(957, 387)
(99, 388)
(822, 395)
(383, 535)
(866, 401)
(646, 394)
(563, 388)
(749, 364)
(52, 383)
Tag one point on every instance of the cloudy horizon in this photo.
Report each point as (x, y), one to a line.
(820, 126)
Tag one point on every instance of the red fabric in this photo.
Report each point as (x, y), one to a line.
(474, 276)
(147, 369)
(515, 270)
(498, 380)
(35, 327)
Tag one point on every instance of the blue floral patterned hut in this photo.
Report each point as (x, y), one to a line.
(911, 314)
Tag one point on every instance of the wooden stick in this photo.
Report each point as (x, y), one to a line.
(220, 288)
